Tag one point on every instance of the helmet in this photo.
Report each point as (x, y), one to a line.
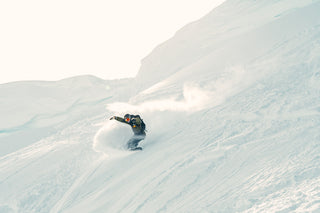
(127, 118)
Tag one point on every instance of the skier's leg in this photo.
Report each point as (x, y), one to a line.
(134, 141)
(139, 138)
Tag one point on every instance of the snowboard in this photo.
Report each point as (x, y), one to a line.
(136, 149)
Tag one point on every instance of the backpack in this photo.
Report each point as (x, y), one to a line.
(139, 121)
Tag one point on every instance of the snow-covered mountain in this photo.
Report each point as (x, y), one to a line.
(232, 107)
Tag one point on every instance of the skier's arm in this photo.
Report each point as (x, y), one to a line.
(118, 119)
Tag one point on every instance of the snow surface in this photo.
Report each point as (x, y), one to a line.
(232, 108)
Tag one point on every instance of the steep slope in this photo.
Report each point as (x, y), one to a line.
(254, 144)
(220, 30)
(233, 114)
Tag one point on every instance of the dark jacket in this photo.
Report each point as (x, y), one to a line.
(136, 123)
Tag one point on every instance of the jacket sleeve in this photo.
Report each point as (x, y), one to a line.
(120, 120)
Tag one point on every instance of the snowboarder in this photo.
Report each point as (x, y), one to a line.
(138, 128)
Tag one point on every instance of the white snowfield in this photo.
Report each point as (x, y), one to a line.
(232, 108)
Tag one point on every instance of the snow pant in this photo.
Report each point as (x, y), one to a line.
(134, 141)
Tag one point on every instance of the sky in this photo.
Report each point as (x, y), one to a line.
(52, 40)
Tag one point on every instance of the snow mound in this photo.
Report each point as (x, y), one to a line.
(111, 139)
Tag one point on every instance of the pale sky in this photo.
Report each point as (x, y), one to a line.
(52, 40)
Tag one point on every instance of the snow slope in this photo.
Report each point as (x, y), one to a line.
(232, 107)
